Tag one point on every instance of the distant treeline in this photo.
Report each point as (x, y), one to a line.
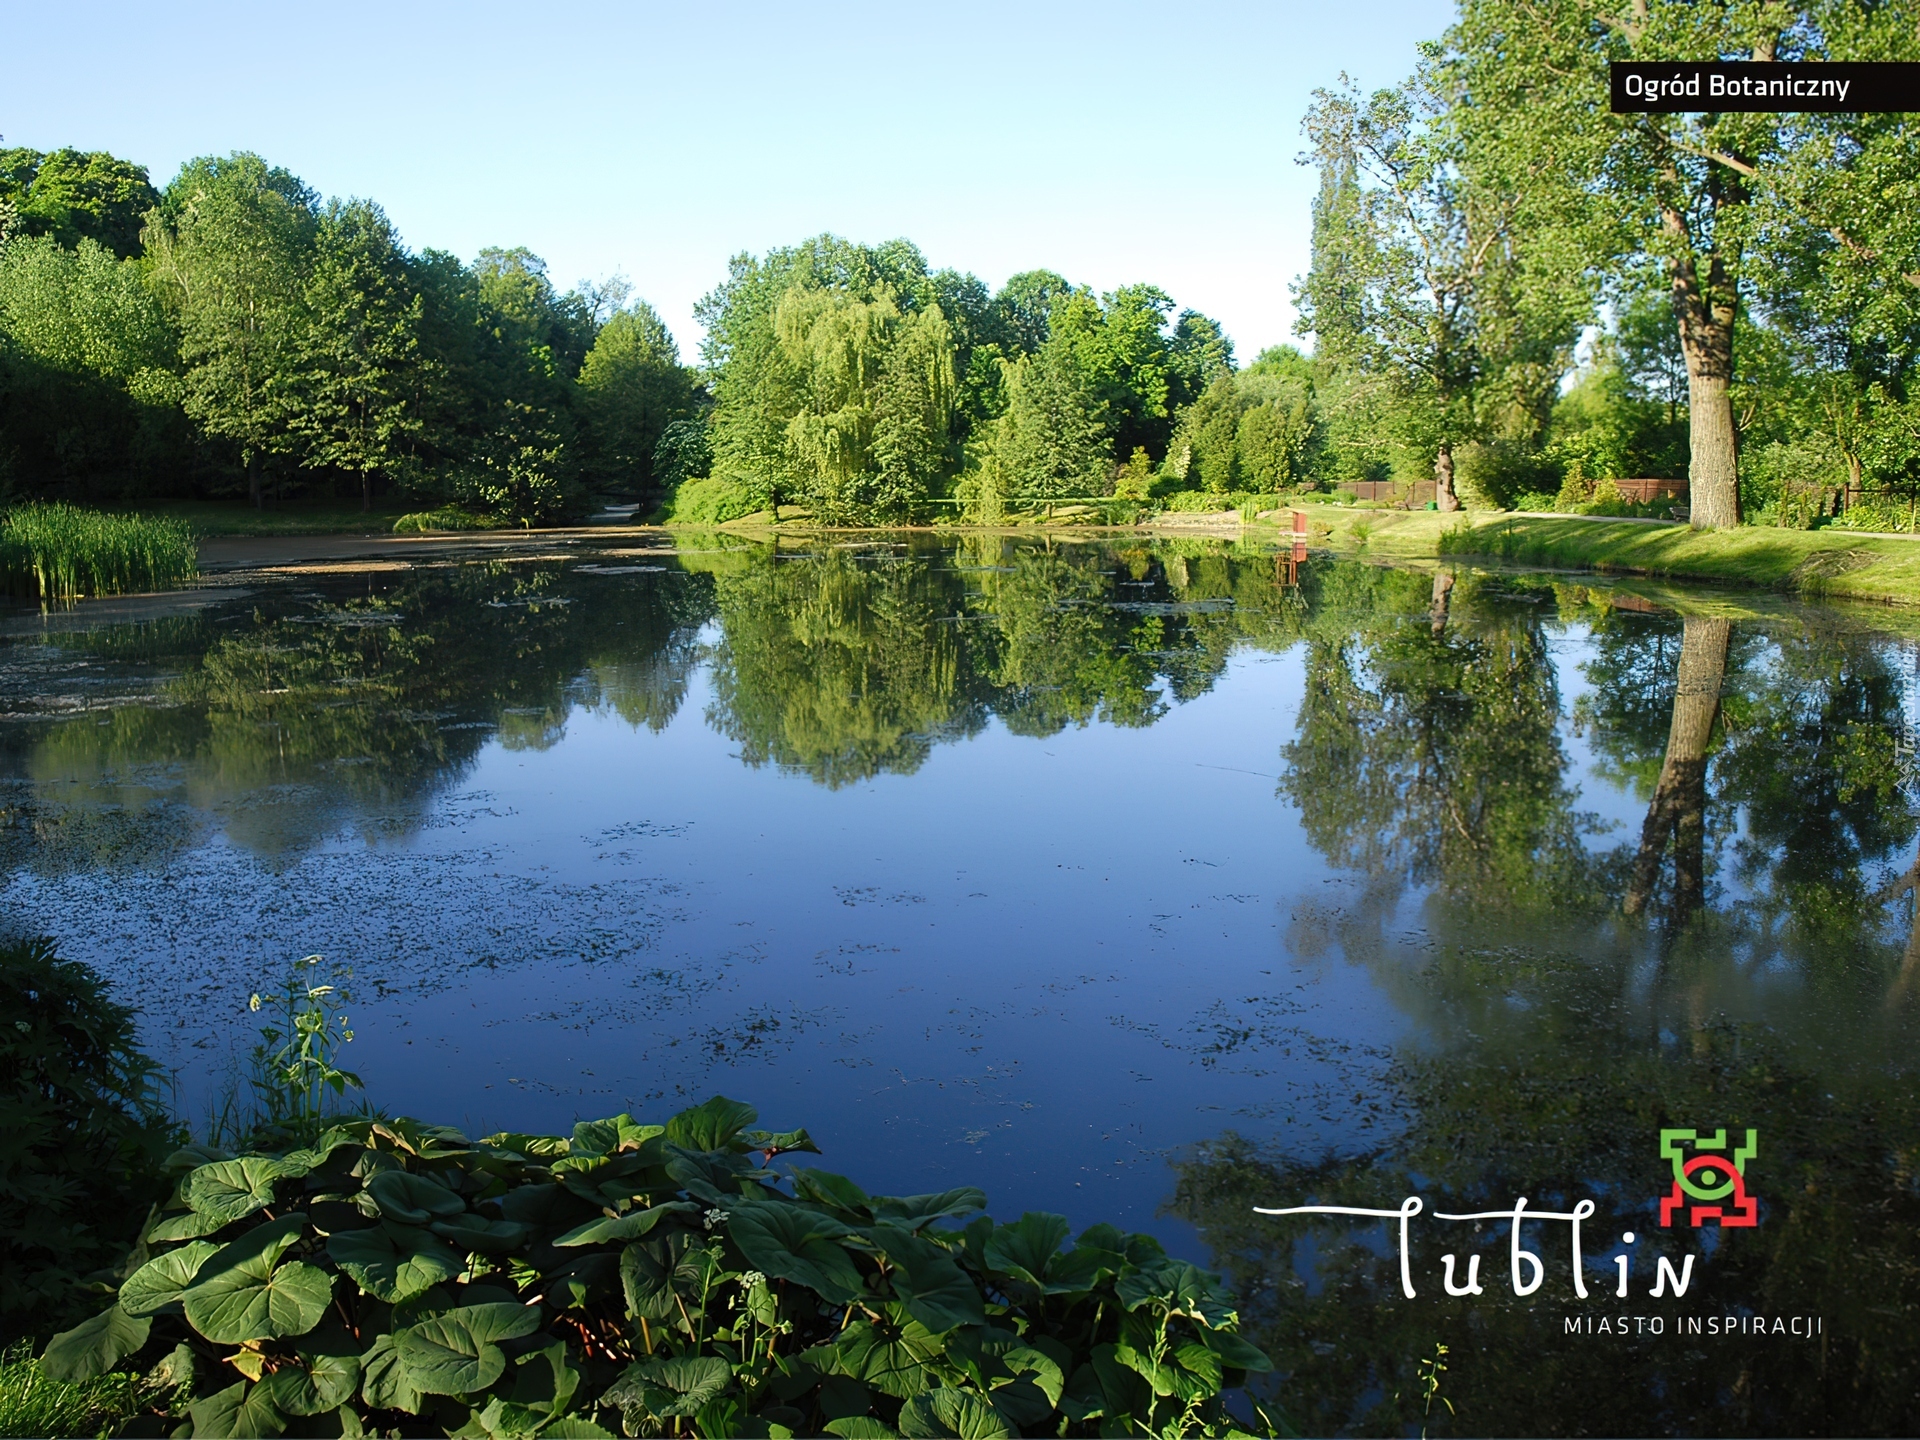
(1515, 296)
(233, 334)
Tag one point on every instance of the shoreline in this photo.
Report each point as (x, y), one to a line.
(1828, 564)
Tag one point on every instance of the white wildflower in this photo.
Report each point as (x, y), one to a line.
(715, 1217)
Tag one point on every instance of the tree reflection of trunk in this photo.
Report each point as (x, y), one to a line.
(1679, 808)
(1442, 593)
(1909, 976)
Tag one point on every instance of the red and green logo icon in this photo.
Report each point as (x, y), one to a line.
(1711, 1175)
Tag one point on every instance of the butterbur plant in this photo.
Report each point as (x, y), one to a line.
(397, 1278)
(294, 1071)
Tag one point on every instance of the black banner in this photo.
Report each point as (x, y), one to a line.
(1761, 87)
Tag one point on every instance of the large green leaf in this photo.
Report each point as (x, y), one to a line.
(383, 1379)
(662, 1388)
(393, 1262)
(228, 1189)
(835, 1193)
(1080, 1269)
(652, 1272)
(574, 1427)
(780, 1142)
(236, 1413)
(944, 1414)
(711, 1126)
(469, 1232)
(610, 1181)
(935, 1289)
(412, 1199)
(93, 1347)
(911, 1212)
(861, 1427)
(1123, 1392)
(716, 1177)
(546, 1381)
(1022, 1250)
(1236, 1353)
(1191, 1372)
(457, 1353)
(546, 1208)
(798, 1244)
(893, 1359)
(315, 1386)
(158, 1283)
(187, 1225)
(604, 1137)
(630, 1226)
(1184, 1289)
(1037, 1368)
(254, 1300)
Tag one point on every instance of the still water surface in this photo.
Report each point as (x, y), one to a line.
(1143, 884)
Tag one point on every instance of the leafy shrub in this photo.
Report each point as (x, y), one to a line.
(525, 484)
(60, 552)
(1790, 484)
(1535, 500)
(446, 517)
(1880, 513)
(710, 500)
(394, 1276)
(1211, 502)
(1491, 474)
(682, 453)
(82, 1135)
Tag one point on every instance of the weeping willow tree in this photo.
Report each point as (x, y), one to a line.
(873, 394)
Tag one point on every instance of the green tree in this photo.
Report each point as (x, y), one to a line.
(69, 197)
(1686, 193)
(231, 245)
(360, 346)
(1023, 309)
(633, 387)
(1051, 441)
(1415, 244)
(89, 393)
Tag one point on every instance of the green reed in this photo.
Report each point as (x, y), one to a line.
(61, 552)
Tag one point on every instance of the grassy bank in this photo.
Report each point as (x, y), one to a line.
(60, 552)
(208, 518)
(1829, 563)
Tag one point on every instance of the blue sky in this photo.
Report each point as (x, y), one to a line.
(1114, 143)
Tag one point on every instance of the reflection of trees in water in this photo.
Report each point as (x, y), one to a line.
(1427, 752)
(1771, 757)
(843, 664)
(1839, 1239)
(1561, 1032)
(313, 713)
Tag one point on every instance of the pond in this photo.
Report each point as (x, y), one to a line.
(1146, 882)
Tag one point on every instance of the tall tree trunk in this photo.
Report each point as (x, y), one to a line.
(1704, 313)
(1442, 594)
(1678, 810)
(253, 482)
(1443, 492)
(366, 491)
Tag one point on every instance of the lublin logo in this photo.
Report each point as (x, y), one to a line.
(1715, 1180)
(1707, 1169)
